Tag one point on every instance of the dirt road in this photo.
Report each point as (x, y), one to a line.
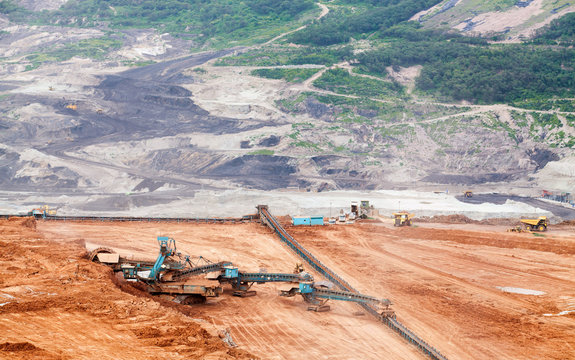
(557, 209)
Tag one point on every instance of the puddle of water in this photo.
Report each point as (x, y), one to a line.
(561, 313)
(6, 303)
(521, 291)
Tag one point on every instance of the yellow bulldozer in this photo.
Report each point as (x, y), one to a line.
(539, 224)
(402, 218)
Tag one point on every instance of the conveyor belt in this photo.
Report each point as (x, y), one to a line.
(200, 270)
(272, 277)
(391, 322)
(248, 218)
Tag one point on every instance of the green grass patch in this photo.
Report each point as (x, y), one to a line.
(291, 104)
(138, 63)
(493, 122)
(289, 75)
(341, 82)
(306, 144)
(520, 118)
(97, 49)
(563, 105)
(262, 152)
(278, 56)
(216, 22)
(545, 121)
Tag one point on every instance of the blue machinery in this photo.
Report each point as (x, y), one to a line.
(167, 248)
(242, 282)
(317, 295)
(130, 269)
(269, 220)
(168, 274)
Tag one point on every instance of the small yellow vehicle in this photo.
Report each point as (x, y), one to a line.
(539, 224)
(402, 218)
(468, 193)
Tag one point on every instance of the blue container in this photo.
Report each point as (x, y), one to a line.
(301, 220)
(316, 220)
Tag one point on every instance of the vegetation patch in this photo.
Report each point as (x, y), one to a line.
(458, 68)
(341, 82)
(274, 56)
(559, 32)
(306, 144)
(563, 105)
(492, 121)
(262, 152)
(289, 75)
(291, 104)
(217, 21)
(361, 19)
(97, 48)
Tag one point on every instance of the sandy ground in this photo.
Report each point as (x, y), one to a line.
(445, 282)
(266, 325)
(54, 304)
(236, 203)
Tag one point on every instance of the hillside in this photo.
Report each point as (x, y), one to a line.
(117, 98)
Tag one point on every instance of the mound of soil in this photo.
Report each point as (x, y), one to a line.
(462, 219)
(77, 309)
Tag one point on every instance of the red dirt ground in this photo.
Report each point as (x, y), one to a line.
(443, 282)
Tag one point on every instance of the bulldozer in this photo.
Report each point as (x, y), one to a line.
(468, 193)
(517, 229)
(539, 224)
(402, 218)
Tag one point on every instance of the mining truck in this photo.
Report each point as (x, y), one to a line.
(402, 218)
(539, 224)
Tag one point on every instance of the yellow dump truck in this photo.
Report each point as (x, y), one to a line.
(539, 224)
(402, 218)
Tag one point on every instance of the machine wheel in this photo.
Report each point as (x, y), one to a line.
(542, 228)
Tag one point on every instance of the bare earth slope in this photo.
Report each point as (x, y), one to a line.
(445, 284)
(181, 124)
(517, 19)
(57, 305)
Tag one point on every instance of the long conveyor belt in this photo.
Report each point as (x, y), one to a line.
(391, 322)
(142, 219)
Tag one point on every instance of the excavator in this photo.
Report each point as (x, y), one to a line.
(167, 275)
(170, 273)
